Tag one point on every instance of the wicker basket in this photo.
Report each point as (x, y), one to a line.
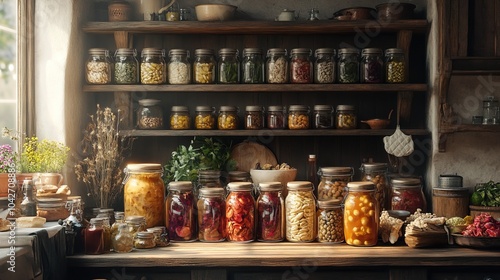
(119, 11)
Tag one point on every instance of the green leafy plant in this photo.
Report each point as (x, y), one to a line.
(486, 194)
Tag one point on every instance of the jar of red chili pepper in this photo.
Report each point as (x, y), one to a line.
(407, 194)
(211, 215)
(301, 66)
(270, 213)
(372, 65)
(181, 216)
(240, 212)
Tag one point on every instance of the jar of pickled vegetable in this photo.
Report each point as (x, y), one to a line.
(361, 214)
(179, 67)
(252, 66)
(254, 117)
(136, 224)
(276, 66)
(204, 66)
(228, 117)
(240, 212)
(205, 117)
(324, 66)
(180, 214)
(298, 117)
(144, 192)
(377, 174)
(150, 114)
(333, 184)
(346, 117)
(276, 117)
(153, 66)
(330, 221)
(119, 219)
(123, 241)
(407, 194)
(228, 66)
(179, 118)
(300, 211)
(211, 215)
(94, 237)
(348, 66)
(395, 66)
(98, 67)
(323, 116)
(144, 240)
(270, 213)
(372, 65)
(126, 69)
(301, 66)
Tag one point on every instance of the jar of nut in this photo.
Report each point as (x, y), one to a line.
(153, 67)
(301, 66)
(204, 66)
(126, 70)
(276, 66)
(228, 66)
(179, 118)
(228, 117)
(346, 117)
(205, 117)
(276, 117)
(324, 66)
(149, 114)
(179, 67)
(361, 215)
(330, 221)
(300, 209)
(323, 116)
(395, 66)
(333, 184)
(377, 174)
(254, 117)
(348, 66)
(98, 67)
(298, 117)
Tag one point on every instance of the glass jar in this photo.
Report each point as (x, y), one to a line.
(107, 213)
(228, 117)
(98, 67)
(181, 215)
(94, 237)
(153, 66)
(149, 114)
(372, 65)
(276, 117)
(252, 66)
(184, 15)
(123, 241)
(52, 210)
(333, 184)
(276, 66)
(228, 66)
(204, 66)
(300, 209)
(491, 111)
(161, 236)
(407, 194)
(301, 66)
(346, 117)
(240, 212)
(348, 66)
(298, 117)
(377, 174)
(179, 67)
(209, 179)
(330, 221)
(173, 12)
(205, 117)
(211, 215)
(144, 192)
(179, 118)
(395, 66)
(144, 240)
(119, 219)
(270, 213)
(324, 66)
(361, 214)
(136, 224)
(107, 233)
(126, 70)
(323, 116)
(254, 117)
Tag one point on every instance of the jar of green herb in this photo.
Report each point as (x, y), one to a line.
(348, 66)
(229, 66)
(126, 68)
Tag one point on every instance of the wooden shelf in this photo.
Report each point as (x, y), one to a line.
(470, 128)
(475, 66)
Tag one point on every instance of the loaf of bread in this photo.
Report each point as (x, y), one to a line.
(30, 222)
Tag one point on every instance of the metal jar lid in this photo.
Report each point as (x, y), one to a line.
(145, 234)
(252, 51)
(270, 186)
(298, 108)
(336, 171)
(180, 185)
(204, 109)
(240, 186)
(299, 185)
(180, 109)
(253, 108)
(372, 51)
(328, 108)
(275, 108)
(373, 167)
(405, 182)
(211, 192)
(204, 52)
(143, 167)
(325, 51)
(450, 181)
(135, 219)
(345, 107)
(360, 186)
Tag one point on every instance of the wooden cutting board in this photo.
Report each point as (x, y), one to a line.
(247, 154)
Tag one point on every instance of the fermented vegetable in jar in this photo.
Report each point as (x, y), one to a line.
(228, 117)
(348, 66)
(179, 118)
(149, 114)
(204, 66)
(395, 66)
(276, 117)
(252, 66)
(144, 240)
(179, 67)
(407, 194)
(240, 212)
(123, 241)
(301, 66)
(330, 221)
(254, 117)
(324, 66)
(180, 212)
(276, 66)
(333, 184)
(126, 68)
(377, 174)
(228, 66)
(205, 118)
(98, 67)
(298, 117)
(300, 208)
(361, 214)
(346, 117)
(153, 66)
(270, 213)
(211, 215)
(372, 66)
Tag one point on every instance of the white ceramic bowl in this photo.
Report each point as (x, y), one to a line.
(283, 176)
(214, 12)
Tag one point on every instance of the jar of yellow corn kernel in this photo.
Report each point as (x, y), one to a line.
(298, 117)
(361, 214)
(179, 118)
(205, 117)
(204, 66)
(228, 117)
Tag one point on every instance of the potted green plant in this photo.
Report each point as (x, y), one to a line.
(7, 165)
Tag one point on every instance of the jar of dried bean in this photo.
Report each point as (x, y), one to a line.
(205, 117)
(153, 67)
(180, 212)
(407, 194)
(252, 66)
(270, 213)
(346, 117)
(204, 66)
(361, 214)
(240, 212)
(126, 69)
(211, 207)
(372, 65)
(395, 66)
(301, 66)
(98, 67)
(330, 221)
(149, 114)
(228, 66)
(276, 66)
(377, 174)
(324, 66)
(254, 117)
(323, 116)
(179, 67)
(298, 117)
(179, 118)
(348, 66)
(333, 184)
(276, 117)
(300, 211)
(228, 117)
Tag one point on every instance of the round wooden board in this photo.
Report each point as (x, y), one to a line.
(247, 154)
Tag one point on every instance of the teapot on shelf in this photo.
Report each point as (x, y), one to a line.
(287, 15)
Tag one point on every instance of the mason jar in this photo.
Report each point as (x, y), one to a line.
(149, 114)
(300, 208)
(179, 118)
(348, 66)
(211, 207)
(333, 182)
(324, 66)
(301, 66)
(298, 117)
(153, 66)
(98, 67)
(228, 118)
(136, 224)
(205, 117)
(276, 66)
(240, 212)
(323, 116)
(376, 173)
(94, 237)
(276, 118)
(228, 66)
(395, 66)
(179, 67)
(270, 213)
(144, 240)
(180, 215)
(330, 221)
(204, 66)
(126, 69)
(361, 216)
(254, 117)
(372, 65)
(346, 117)
(407, 194)
(252, 66)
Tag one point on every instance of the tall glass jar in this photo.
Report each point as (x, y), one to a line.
(153, 66)
(228, 117)
(179, 67)
(119, 219)
(252, 66)
(361, 214)
(106, 233)
(301, 66)
(324, 66)
(149, 114)
(211, 215)
(254, 117)
(276, 66)
(395, 66)
(141, 179)
(240, 212)
(276, 118)
(348, 66)
(323, 116)
(377, 174)
(204, 66)
(300, 208)
(333, 184)
(180, 212)
(346, 117)
(372, 65)
(126, 69)
(228, 66)
(270, 213)
(94, 237)
(407, 194)
(330, 221)
(179, 118)
(98, 67)
(298, 117)
(205, 117)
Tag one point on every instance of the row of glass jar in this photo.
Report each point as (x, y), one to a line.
(277, 68)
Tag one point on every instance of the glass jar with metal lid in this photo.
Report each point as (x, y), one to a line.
(153, 66)
(330, 221)
(205, 117)
(300, 208)
(144, 240)
(270, 213)
(276, 117)
(141, 179)
(372, 65)
(407, 194)
(228, 117)
(395, 66)
(323, 116)
(149, 114)
(324, 66)
(94, 237)
(228, 66)
(179, 67)
(376, 173)
(240, 212)
(204, 66)
(298, 117)
(346, 117)
(252, 66)
(333, 184)
(491, 111)
(179, 118)
(136, 224)
(99, 67)
(180, 214)
(276, 66)
(361, 216)
(126, 68)
(161, 236)
(348, 66)
(211, 207)
(301, 66)
(254, 117)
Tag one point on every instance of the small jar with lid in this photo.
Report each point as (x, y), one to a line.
(407, 194)
(211, 215)
(276, 66)
(228, 66)
(228, 118)
(372, 66)
(333, 184)
(98, 67)
(298, 117)
(136, 224)
(252, 66)
(361, 216)
(276, 118)
(323, 116)
(149, 114)
(205, 117)
(179, 118)
(180, 214)
(376, 173)
(161, 236)
(270, 213)
(179, 67)
(395, 66)
(346, 117)
(254, 117)
(153, 66)
(300, 208)
(324, 66)
(204, 66)
(126, 67)
(348, 66)
(301, 66)
(330, 221)
(144, 240)
(94, 237)
(240, 212)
